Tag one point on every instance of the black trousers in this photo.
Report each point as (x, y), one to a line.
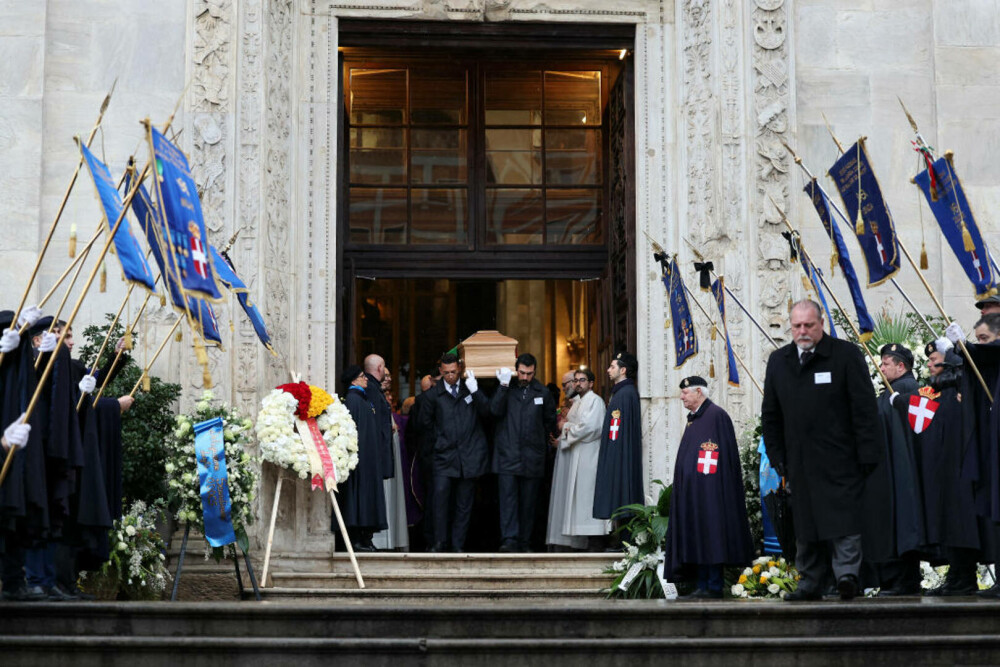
(815, 559)
(453, 498)
(518, 496)
(900, 574)
(12, 567)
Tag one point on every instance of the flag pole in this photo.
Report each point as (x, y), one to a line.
(129, 329)
(62, 304)
(716, 328)
(100, 352)
(739, 303)
(59, 212)
(149, 364)
(843, 217)
(80, 256)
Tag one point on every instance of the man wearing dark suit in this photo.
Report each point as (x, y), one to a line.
(820, 421)
(452, 412)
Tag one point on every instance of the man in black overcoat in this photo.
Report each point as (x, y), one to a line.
(619, 464)
(900, 574)
(375, 370)
(423, 443)
(525, 419)
(453, 411)
(820, 422)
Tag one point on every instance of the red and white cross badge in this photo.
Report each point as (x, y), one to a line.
(616, 423)
(921, 412)
(198, 256)
(708, 460)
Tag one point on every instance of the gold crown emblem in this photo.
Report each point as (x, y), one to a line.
(928, 392)
(709, 446)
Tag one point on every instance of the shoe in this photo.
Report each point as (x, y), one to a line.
(57, 594)
(439, 547)
(799, 595)
(508, 547)
(364, 547)
(25, 593)
(702, 594)
(961, 590)
(847, 586)
(992, 592)
(937, 591)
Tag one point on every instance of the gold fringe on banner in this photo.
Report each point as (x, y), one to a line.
(859, 225)
(924, 264)
(146, 383)
(834, 260)
(967, 239)
(103, 286)
(206, 379)
(179, 337)
(128, 339)
(714, 331)
(163, 301)
(200, 353)
(711, 368)
(789, 303)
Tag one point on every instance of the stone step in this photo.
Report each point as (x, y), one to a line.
(494, 563)
(436, 580)
(429, 596)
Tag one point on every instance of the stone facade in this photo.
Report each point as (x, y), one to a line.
(720, 84)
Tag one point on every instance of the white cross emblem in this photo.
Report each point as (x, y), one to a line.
(920, 414)
(708, 462)
(614, 428)
(198, 257)
(977, 264)
(881, 248)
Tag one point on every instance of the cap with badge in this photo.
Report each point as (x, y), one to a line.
(898, 351)
(693, 381)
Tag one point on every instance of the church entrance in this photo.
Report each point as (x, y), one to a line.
(485, 182)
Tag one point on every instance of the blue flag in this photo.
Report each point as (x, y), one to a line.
(685, 342)
(227, 276)
(187, 244)
(813, 276)
(719, 292)
(951, 209)
(819, 199)
(213, 482)
(152, 225)
(866, 207)
(127, 247)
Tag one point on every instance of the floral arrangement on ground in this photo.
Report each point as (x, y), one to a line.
(767, 577)
(282, 446)
(647, 526)
(183, 493)
(136, 568)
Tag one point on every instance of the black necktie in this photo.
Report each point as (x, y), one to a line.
(454, 390)
(805, 357)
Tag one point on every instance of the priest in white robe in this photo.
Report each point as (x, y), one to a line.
(571, 520)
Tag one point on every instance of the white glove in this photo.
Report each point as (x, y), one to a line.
(87, 384)
(470, 382)
(954, 333)
(29, 316)
(9, 341)
(48, 343)
(893, 396)
(503, 374)
(16, 435)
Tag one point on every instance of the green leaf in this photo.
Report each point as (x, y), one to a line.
(242, 540)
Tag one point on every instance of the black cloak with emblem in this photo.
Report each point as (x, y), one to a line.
(821, 429)
(708, 514)
(945, 456)
(362, 494)
(619, 464)
(383, 426)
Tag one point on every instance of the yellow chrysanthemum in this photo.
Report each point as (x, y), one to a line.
(763, 580)
(771, 563)
(756, 569)
(319, 402)
(743, 579)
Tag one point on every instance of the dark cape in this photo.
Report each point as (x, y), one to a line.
(24, 504)
(943, 449)
(899, 471)
(619, 464)
(361, 495)
(383, 427)
(708, 515)
(821, 429)
(985, 416)
(525, 418)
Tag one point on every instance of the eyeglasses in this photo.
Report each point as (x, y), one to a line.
(578, 380)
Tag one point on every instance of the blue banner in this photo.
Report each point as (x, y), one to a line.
(152, 225)
(769, 481)
(127, 247)
(226, 273)
(875, 231)
(213, 482)
(819, 199)
(813, 276)
(719, 292)
(177, 194)
(685, 342)
(954, 217)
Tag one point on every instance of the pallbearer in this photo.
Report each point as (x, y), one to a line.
(708, 516)
(619, 465)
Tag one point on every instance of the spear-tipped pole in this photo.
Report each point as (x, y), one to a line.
(100, 352)
(55, 221)
(149, 364)
(832, 135)
(716, 328)
(701, 258)
(843, 217)
(62, 304)
(854, 328)
(129, 329)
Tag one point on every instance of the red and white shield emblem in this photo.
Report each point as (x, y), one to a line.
(921, 412)
(198, 257)
(615, 426)
(708, 462)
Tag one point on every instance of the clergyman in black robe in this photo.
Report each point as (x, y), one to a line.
(361, 495)
(619, 464)
(708, 527)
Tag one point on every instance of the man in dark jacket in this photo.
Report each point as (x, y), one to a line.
(421, 441)
(821, 426)
(526, 417)
(900, 575)
(375, 370)
(453, 411)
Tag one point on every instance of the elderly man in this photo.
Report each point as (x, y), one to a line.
(821, 426)
(708, 526)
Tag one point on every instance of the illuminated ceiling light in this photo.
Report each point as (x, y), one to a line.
(622, 54)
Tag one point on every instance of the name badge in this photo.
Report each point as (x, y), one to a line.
(823, 378)
(539, 400)
(468, 399)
